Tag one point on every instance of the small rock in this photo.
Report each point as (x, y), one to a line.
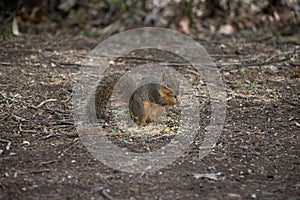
(227, 29)
(273, 68)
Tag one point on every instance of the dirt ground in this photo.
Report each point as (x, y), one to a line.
(256, 156)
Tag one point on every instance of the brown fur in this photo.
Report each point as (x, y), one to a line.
(143, 101)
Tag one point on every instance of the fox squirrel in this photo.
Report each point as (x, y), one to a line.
(148, 101)
(171, 82)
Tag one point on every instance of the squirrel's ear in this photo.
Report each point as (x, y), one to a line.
(163, 79)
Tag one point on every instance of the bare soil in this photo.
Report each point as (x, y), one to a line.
(256, 156)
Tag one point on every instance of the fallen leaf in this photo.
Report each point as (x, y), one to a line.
(15, 29)
(184, 25)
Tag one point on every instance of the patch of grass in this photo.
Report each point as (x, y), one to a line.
(278, 35)
(127, 142)
(119, 3)
(43, 24)
(242, 73)
(240, 85)
(5, 34)
(33, 56)
(101, 37)
(282, 57)
(86, 33)
(263, 67)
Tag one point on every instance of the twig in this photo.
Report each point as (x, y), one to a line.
(57, 111)
(48, 162)
(175, 64)
(140, 58)
(281, 54)
(290, 102)
(63, 122)
(5, 63)
(7, 97)
(62, 64)
(46, 101)
(71, 146)
(106, 195)
(25, 131)
(124, 57)
(33, 106)
(250, 64)
(223, 56)
(8, 143)
(6, 117)
(20, 50)
(193, 72)
(47, 136)
(34, 171)
(146, 169)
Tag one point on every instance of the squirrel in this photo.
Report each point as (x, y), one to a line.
(149, 100)
(171, 82)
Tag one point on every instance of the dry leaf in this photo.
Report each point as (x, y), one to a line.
(184, 25)
(227, 29)
(15, 29)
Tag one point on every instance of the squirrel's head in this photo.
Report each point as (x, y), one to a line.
(167, 93)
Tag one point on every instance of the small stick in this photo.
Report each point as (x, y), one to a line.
(106, 195)
(290, 102)
(46, 101)
(8, 143)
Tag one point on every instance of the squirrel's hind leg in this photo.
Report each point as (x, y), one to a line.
(156, 112)
(146, 118)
